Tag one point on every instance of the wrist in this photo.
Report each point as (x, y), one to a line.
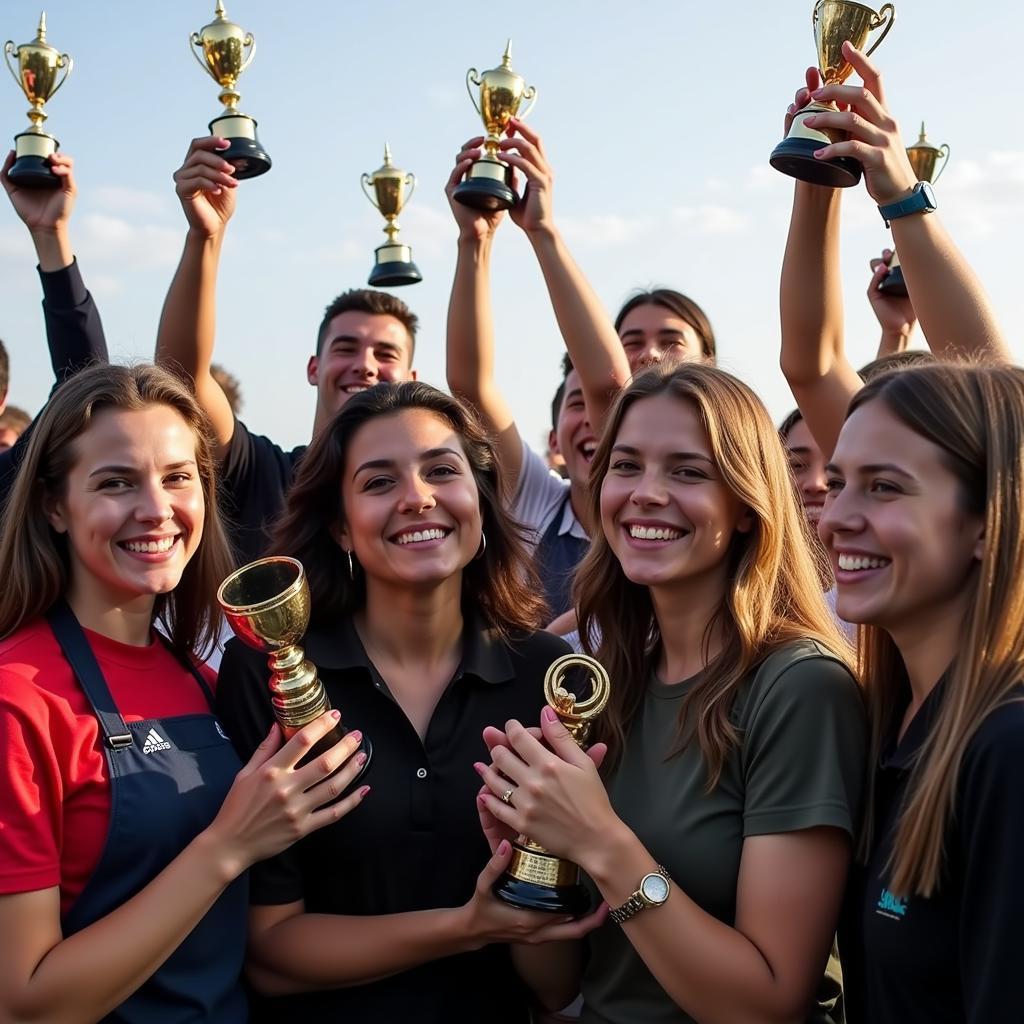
(222, 859)
(610, 860)
(471, 241)
(463, 927)
(53, 248)
(199, 236)
(543, 233)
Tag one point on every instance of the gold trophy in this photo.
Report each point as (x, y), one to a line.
(923, 158)
(38, 64)
(537, 879)
(487, 185)
(266, 603)
(835, 22)
(393, 263)
(223, 45)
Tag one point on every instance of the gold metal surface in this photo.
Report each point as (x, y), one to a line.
(502, 92)
(839, 21)
(36, 72)
(392, 189)
(223, 45)
(266, 603)
(530, 863)
(924, 156)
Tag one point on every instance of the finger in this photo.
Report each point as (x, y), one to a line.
(266, 750)
(504, 813)
(529, 748)
(307, 738)
(458, 173)
(474, 143)
(8, 164)
(597, 753)
(329, 761)
(526, 132)
(849, 121)
(510, 766)
(852, 147)
(857, 98)
(869, 74)
(336, 811)
(560, 740)
(812, 78)
(203, 181)
(572, 929)
(333, 786)
(207, 142)
(59, 159)
(497, 784)
(531, 171)
(495, 867)
(527, 149)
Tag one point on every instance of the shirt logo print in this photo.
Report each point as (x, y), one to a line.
(155, 742)
(891, 906)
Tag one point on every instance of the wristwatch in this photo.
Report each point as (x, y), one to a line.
(921, 200)
(653, 892)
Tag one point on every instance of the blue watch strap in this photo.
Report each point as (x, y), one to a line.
(920, 200)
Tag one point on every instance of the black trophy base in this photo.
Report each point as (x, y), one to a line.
(33, 172)
(394, 274)
(485, 194)
(894, 284)
(563, 899)
(796, 158)
(247, 156)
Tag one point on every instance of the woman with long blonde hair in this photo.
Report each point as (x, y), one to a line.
(923, 527)
(722, 832)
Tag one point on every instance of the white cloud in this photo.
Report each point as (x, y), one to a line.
(106, 239)
(710, 219)
(117, 200)
(605, 229)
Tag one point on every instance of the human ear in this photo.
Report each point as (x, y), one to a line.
(312, 369)
(53, 509)
(746, 521)
(553, 443)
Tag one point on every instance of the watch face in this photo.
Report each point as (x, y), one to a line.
(929, 194)
(654, 888)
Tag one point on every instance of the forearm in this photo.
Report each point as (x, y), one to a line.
(53, 247)
(308, 952)
(85, 976)
(74, 331)
(552, 971)
(955, 314)
(470, 329)
(589, 335)
(893, 342)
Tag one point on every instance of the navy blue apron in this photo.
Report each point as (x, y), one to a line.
(557, 556)
(168, 779)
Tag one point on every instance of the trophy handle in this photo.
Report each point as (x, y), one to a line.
(886, 17)
(945, 161)
(65, 62)
(364, 181)
(410, 184)
(530, 95)
(473, 78)
(195, 41)
(9, 48)
(249, 42)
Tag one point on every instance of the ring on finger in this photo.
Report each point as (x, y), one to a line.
(506, 797)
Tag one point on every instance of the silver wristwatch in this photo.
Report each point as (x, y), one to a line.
(653, 892)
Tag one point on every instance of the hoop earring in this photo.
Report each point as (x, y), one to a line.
(351, 566)
(483, 546)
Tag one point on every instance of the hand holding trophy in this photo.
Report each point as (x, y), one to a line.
(835, 22)
(393, 263)
(223, 45)
(488, 185)
(36, 75)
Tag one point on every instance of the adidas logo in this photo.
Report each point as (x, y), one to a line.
(155, 742)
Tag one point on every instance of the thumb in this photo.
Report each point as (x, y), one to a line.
(559, 739)
(597, 753)
(265, 751)
(495, 867)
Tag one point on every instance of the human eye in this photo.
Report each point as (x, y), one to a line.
(691, 473)
(180, 478)
(443, 470)
(884, 487)
(377, 483)
(834, 484)
(112, 484)
(623, 465)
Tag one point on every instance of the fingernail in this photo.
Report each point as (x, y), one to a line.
(361, 760)
(478, 767)
(548, 714)
(817, 93)
(810, 120)
(363, 792)
(503, 847)
(819, 152)
(336, 715)
(355, 735)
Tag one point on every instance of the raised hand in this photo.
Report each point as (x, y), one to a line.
(812, 82)
(474, 225)
(895, 313)
(205, 185)
(43, 209)
(523, 150)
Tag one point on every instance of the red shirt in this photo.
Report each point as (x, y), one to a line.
(54, 784)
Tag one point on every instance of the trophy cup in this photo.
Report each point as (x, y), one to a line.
(537, 879)
(835, 22)
(923, 158)
(223, 44)
(393, 263)
(38, 64)
(487, 185)
(266, 603)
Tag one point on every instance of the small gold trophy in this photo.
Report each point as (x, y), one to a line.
(266, 603)
(835, 22)
(223, 45)
(923, 158)
(488, 183)
(393, 263)
(537, 879)
(38, 64)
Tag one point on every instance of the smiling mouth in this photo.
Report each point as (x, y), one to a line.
(861, 563)
(664, 533)
(354, 389)
(587, 450)
(420, 536)
(150, 547)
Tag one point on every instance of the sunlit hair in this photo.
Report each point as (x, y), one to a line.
(894, 361)
(501, 584)
(34, 561)
(374, 303)
(975, 417)
(680, 306)
(774, 595)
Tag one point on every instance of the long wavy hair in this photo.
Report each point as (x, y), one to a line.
(501, 583)
(975, 417)
(774, 595)
(34, 560)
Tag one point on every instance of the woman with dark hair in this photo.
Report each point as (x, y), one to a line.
(424, 611)
(922, 524)
(664, 326)
(126, 820)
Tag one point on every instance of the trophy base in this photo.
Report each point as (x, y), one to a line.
(244, 153)
(894, 284)
(485, 191)
(573, 900)
(33, 172)
(795, 157)
(394, 267)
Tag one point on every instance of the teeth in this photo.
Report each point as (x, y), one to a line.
(421, 535)
(150, 547)
(654, 533)
(854, 563)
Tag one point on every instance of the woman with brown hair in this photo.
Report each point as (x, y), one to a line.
(126, 824)
(423, 628)
(722, 832)
(922, 524)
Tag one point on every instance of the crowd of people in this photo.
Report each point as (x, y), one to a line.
(799, 802)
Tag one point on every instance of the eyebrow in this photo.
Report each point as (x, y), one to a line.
(682, 456)
(877, 467)
(800, 450)
(426, 456)
(135, 469)
(574, 394)
(351, 339)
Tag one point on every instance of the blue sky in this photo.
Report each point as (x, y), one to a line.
(658, 118)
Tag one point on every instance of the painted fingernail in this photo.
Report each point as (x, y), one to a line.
(360, 760)
(355, 735)
(819, 152)
(336, 715)
(502, 847)
(363, 792)
(478, 767)
(548, 714)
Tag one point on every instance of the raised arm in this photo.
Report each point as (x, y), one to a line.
(205, 185)
(895, 313)
(589, 335)
(470, 338)
(956, 316)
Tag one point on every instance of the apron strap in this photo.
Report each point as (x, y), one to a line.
(75, 646)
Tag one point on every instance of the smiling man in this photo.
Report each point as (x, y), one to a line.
(365, 337)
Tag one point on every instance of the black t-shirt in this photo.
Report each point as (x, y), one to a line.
(255, 475)
(953, 958)
(415, 843)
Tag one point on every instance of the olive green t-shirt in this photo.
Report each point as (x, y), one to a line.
(799, 764)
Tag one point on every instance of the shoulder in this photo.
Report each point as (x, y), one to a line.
(247, 451)
(537, 648)
(997, 749)
(538, 491)
(33, 638)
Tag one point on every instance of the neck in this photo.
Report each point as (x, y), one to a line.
(683, 613)
(412, 626)
(128, 621)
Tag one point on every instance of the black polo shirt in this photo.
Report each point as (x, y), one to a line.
(415, 843)
(954, 958)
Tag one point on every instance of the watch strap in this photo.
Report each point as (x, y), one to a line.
(916, 202)
(636, 901)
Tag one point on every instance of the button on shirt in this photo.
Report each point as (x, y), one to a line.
(415, 843)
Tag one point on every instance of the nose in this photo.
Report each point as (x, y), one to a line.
(364, 364)
(649, 490)
(815, 482)
(153, 504)
(840, 515)
(650, 356)
(417, 495)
